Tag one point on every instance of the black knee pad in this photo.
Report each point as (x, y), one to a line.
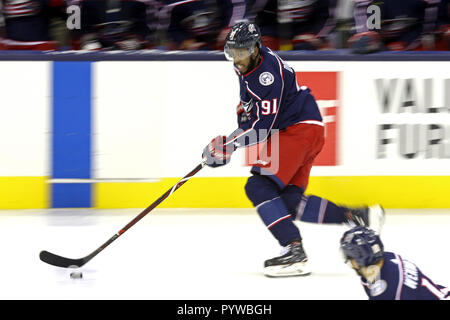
(260, 188)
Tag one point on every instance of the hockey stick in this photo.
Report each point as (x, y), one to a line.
(63, 262)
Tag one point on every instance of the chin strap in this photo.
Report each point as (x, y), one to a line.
(370, 273)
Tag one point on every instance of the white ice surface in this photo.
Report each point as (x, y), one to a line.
(195, 254)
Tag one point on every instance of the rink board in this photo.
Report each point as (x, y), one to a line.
(390, 191)
(227, 192)
(24, 193)
(102, 131)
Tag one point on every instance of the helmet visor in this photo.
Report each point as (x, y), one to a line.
(232, 53)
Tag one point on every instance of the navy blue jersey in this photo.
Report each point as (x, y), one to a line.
(401, 279)
(29, 20)
(286, 19)
(188, 20)
(444, 13)
(199, 20)
(113, 24)
(273, 98)
(400, 22)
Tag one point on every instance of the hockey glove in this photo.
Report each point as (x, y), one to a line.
(217, 153)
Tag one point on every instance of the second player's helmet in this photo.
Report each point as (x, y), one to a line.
(243, 35)
(362, 245)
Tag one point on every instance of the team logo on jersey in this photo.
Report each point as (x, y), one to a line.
(378, 288)
(266, 78)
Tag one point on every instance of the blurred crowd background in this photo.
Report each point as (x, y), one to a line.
(361, 26)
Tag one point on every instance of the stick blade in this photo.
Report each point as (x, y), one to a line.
(59, 261)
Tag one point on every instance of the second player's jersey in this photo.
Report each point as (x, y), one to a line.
(296, 17)
(401, 279)
(29, 20)
(400, 21)
(273, 99)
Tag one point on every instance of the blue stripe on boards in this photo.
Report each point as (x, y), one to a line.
(71, 157)
(71, 195)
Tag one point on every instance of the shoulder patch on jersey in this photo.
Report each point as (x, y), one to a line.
(378, 287)
(266, 78)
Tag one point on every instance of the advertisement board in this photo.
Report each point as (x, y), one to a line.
(387, 132)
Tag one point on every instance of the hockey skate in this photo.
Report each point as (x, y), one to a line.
(371, 217)
(290, 263)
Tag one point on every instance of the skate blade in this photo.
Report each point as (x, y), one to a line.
(376, 218)
(295, 269)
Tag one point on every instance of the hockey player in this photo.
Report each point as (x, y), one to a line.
(294, 25)
(114, 25)
(27, 24)
(400, 26)
(443, 32)
(274, 108)
(386, 275)
(199, 24)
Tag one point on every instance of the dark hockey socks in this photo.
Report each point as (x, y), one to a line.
(264, 195)
(319, 210)
(278, 220)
